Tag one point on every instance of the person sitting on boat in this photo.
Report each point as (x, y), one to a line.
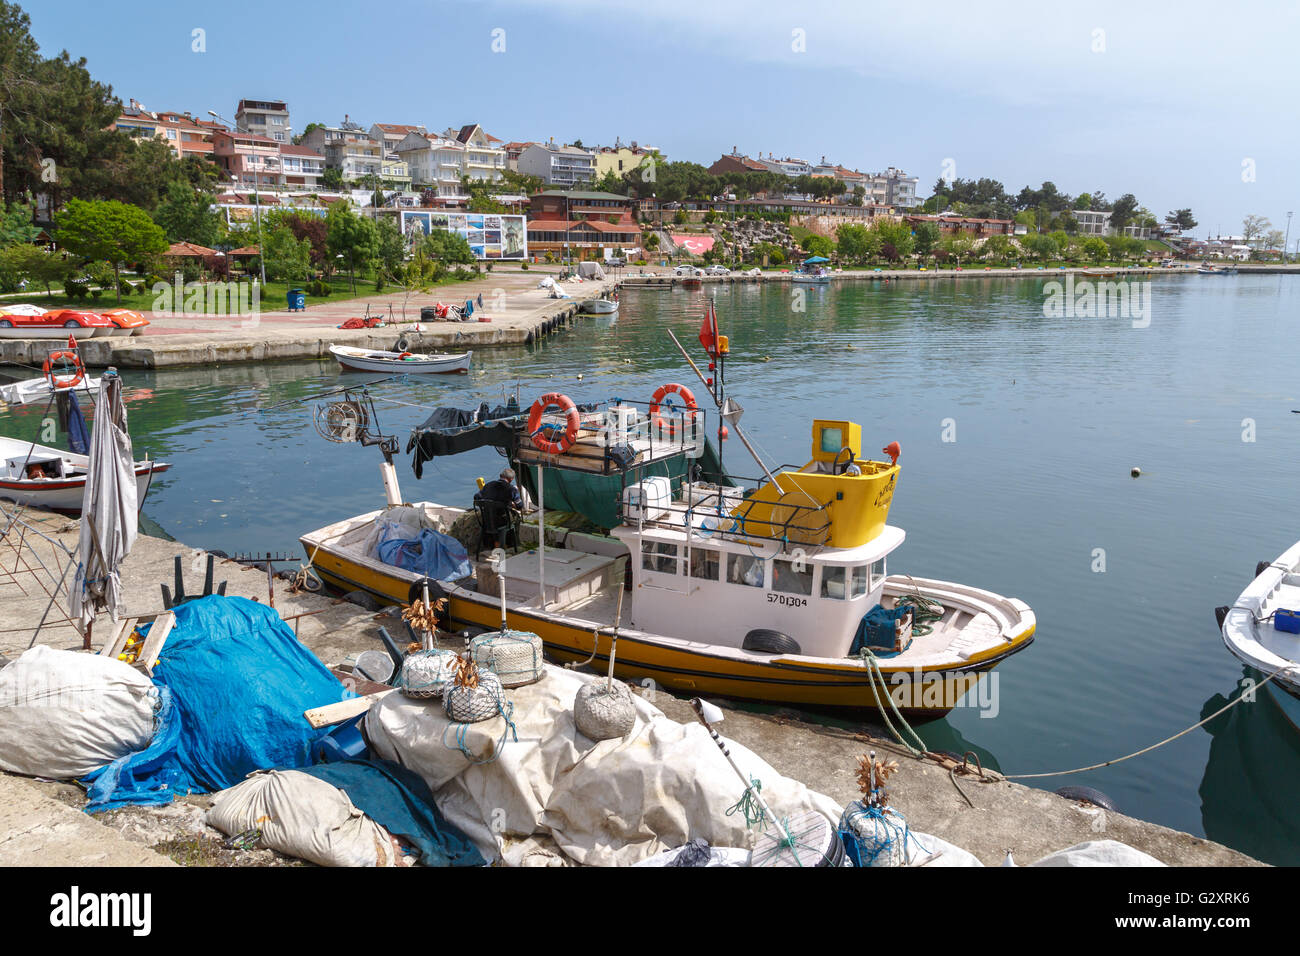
(505, 494)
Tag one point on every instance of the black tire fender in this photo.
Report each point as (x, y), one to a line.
(766, 641)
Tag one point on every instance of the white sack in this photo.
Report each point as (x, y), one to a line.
(302, 816)
(612, 803)
(65, 714)
(1098, 853)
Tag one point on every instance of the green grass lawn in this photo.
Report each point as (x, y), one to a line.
(273, 295)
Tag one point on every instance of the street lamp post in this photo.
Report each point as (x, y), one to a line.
(1287, 241)
(257, 205)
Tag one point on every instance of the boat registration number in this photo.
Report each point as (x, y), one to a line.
(787, 600)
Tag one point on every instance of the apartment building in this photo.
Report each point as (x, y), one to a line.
(619, 158)
(441, 162)
(248, 159)
(558, 165)
(269, 118)
(392, 134)
(185, 135)
(302, 166)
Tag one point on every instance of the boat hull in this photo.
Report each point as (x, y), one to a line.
(65, 495)
(687, 667)
(598, 307)
(359, 360)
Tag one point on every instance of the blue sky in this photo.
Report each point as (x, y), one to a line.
(1182, 105)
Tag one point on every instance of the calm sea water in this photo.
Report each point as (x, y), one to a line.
(1048, 416)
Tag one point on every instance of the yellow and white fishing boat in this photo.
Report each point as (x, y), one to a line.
(777, 593)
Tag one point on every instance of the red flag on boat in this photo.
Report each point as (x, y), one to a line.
(709, 332)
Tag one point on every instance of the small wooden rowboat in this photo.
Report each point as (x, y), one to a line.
(372, 360)
(45, 477)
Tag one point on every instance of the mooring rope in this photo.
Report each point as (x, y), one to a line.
(869, 660)
(1200, 723)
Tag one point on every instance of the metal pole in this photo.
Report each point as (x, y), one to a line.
(541, 539)
(1287, 240)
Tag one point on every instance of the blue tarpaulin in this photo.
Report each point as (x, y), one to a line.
(399, 801)
(876, 631)
(78, 435)
(434, 555)
(234, 682)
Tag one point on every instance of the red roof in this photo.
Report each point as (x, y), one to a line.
(189, 249)
(291, 150)
(561, 225)
(399, 128)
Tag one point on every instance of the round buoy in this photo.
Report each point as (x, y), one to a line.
(604, 713)
(426, 673)
(1135, 471)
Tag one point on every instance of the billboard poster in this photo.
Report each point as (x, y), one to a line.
(490, 235)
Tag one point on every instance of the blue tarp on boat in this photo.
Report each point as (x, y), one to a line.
(234, 682)
(432, 554)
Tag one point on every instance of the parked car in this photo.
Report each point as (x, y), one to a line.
(688, 270)
(616, 263)
(717, 271)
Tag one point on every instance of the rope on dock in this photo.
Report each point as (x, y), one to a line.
(1200, 723)
(869, 659)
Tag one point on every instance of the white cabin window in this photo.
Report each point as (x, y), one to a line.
(704, 563)
(877, 573)
(860, 586)
(833, 583)
(745, 569)
(791, 577)
(659, 556)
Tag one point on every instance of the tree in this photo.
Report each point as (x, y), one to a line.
(446, 248)
(1254, 226)
(350, 236)
(332, 179)
(35, 264)
(1122, 212)
(1182, 218)
(651, 242)
(896, 240)
(856, 243)
(284, 256)
(1083, 201)
(16, 224)
(1095, 249)
(1274, 238)
(111, 230)
(1040, 247)
(996, 247)
(187, 216)
(816, 245)
(390, 252)
(926, 236)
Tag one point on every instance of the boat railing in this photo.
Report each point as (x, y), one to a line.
(618, 436)
(728, 515)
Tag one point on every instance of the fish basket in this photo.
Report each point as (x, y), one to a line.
(874, 835)
(469, 705)
(514, 656)
(426, 674)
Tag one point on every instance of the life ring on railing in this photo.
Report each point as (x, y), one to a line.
(535, 426)
(78, 370)
(663, 392)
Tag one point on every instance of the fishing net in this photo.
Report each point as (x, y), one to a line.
(874, 835)
(513, 656)
(469, 705)
(426, 674)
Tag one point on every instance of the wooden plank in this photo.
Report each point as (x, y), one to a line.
(343, 710)
(121, 631)
(153, 642)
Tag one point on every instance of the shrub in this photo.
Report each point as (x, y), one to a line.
(463, 274)
(75, 289)
(96, 293)
(524, 266)
(8, 279)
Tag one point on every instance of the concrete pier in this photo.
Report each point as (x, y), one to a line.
(1000, 815)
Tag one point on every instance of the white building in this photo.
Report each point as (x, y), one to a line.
(558, 165)
(900, 189)
(441, 162)
(269, 118)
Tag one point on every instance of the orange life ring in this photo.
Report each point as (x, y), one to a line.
(572, 421)
(78, 370)
(663, 392)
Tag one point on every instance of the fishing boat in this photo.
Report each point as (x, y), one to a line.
(377, 360)
(44, 477)
(1100, 273)
(63, 371)
(1208, 270)
(598, 306)
(813, 270)
(1262, 629)
(772, 590)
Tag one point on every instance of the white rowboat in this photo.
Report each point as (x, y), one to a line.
(1250, 627)
(373, 360)
(52, 478)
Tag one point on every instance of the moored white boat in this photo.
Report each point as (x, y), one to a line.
(598, 306)
(44, 477)
(1261, 628)
(378, 360)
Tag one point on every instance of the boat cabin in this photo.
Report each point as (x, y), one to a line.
(804, 554)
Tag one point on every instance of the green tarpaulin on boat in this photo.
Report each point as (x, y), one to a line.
(596, 497)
